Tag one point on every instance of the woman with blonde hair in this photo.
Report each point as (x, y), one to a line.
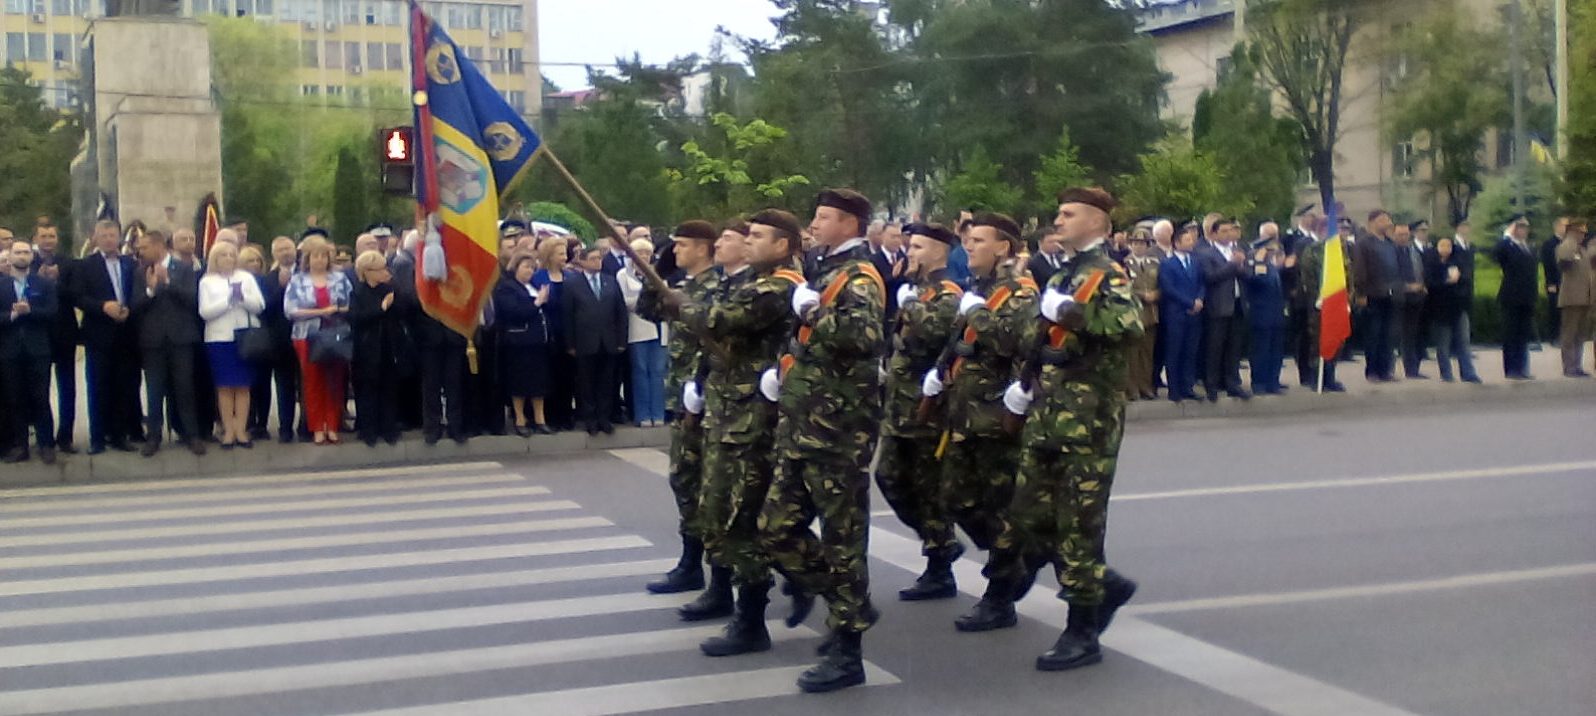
(230, 301)
(383, 354)
(553, 254)
(645, 346)
(316, 300)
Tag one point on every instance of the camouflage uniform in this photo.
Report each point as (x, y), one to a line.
(750, 320)
(1071, 439)
(981, 458)
(830, 408)
(686, 353)
(1144, 283)
(908, 473)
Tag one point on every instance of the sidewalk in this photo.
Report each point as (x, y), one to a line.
(267, 457)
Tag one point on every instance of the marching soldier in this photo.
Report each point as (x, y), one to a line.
(980, 456)
(830, 408)
(748, 324)
(1071, 438)
(693, 246)
(908, 473)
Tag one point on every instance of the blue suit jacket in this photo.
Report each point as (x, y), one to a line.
(29, 334)
(1179, 288)
(1266, 296)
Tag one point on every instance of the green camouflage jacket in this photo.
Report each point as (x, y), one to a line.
(923, 329)
(830, 402)
(751, 318)
(990, 362)
(686, 350)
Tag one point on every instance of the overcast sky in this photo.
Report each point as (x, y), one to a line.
(598, 31)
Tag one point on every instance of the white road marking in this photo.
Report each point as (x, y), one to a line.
(1462, 581)
(143, 692)
(1477, 474)
(650, 459)
(353, 539)
(267, 479)
(273, 493)
(119, 610)
(267, 507)
(638, 696)
(79, 537)
(299, 567)
(328, 630)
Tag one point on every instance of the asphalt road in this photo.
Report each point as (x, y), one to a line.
(1434, 563)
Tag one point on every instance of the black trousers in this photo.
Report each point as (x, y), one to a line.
(1378, 333)
(113, 380)
(1222, 345)
(443, 391)
(1518, 324)
(1410, 336)
(1305, 348)
(27, 393)
(205, 408)
(283, 371)
(562, 389)
(169, 372)
(485, 399)
(64, 358)
(376, 403)
(595, 388)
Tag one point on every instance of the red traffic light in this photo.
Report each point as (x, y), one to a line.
(396, 144)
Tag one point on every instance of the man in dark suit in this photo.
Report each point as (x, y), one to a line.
(1181, 289)
(56, 265)
(1517, 298)
(1553, 326)
(1377, 283)
(283, 368)
(1410, 318)
(595, 333)
(1266, 311)
(165, 300)
(110, 346)
(1223, 263)
(27, 312)
(1049, 258)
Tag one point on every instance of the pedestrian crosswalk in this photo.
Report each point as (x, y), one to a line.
(461, 589)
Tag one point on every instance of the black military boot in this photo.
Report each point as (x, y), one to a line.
(1077, 646)
(687, 575)
(1117, 590)
(871, 615)
(1033, 566)
(841, 667)
(994, 611)
(746, 633)
(802, 604)
(937, 582)
(715, 602)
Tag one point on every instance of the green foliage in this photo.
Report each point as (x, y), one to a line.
(1497, 203)
(613, 148)
(1059, 171)
(351, 197)
(1578, 187)
(1178, 181)
(1258, 153)
(37, 145)
(1450, 99)
(980, 187)
(558, 214)
(741, 179)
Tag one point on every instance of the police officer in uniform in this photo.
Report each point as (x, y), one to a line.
(1075, 418)
(828, 390)
(908, 473)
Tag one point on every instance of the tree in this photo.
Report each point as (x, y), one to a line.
(744, 178)
(351, 200)
(561, 215)
(1258, 153)
(1449, 100)
(1579, 171)
(37, 145)
(1301, 47)
(1178, 181)
(1059, 171)
(980, 186)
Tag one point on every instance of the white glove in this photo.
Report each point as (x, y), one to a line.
(770, 385)
(970, 302)
(932, 386)
(881, 372)
(803, 298)
(1052, 302)
(906, 294)
(692, 400)
(1017, 399)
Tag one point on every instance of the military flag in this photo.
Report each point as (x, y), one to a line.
(207, 223)
(1335, 310)
(473, 147)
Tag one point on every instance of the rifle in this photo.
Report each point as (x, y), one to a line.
(943, 367)
(1047, 334)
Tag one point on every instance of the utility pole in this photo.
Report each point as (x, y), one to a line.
(1560, 8)
(1241, 20)
(1516, 54)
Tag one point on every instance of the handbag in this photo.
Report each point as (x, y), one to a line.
(254, 344)
(332, 344)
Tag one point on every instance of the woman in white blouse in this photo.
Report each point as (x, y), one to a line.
(230, 301)
(645, 346)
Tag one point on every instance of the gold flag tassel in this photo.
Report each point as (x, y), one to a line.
(471, 355)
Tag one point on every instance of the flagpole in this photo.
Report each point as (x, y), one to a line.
(649, 273)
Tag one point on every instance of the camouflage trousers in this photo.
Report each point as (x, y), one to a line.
(1059, 516)
(978, 484)
(736, 479)
(910, 479)
(834, 565)
(686, 472)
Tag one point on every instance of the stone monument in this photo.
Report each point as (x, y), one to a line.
(153, 145)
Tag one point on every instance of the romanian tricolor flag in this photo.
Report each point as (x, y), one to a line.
(473, 147)
(1335, 309)
(207, 224)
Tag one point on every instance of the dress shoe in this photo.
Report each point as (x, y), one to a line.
(228, 446)
(285, 437)
(123, 446)
(96, 449)
(542, 429)
(592, 429)
(65, 447)
(1334, 388)
(1576, 374)
(150, 448)
(430, 439)
(1473, 379)
(260, 434)
(460, 439)
(607, 428)
(1239, 394)
(47, 455)
(246, 444)
(196, 446)
(1213, 396)
(370, 442)
(15, 456)
(1417, 376)
(522, 431)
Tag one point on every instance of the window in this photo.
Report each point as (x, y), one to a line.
(65, 49)
(351, 54)
(1402, 159)
(245, 8)
(220, 7)
(16, 47)
(17, 7)
(1222, 69)
(496, 60)
(495, 19)
(263, 7)
(396, 56)
(310, 90)
(456, 16)
(36, 51)
(357, 96)
(308, 50)
(61, 7)
(512, 19)
(390, 13)
(334, 55)
(335, 90)
(371, 16)
(80, 8)
(351, 12)
(517, 99)
(473, 17)
(517, 64)
(374, 56)
(37, 7)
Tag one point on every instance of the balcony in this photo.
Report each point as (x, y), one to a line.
(1157, 15)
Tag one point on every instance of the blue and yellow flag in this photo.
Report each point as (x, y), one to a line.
(473, 147)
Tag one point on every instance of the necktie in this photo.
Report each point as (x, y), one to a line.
(114, 268)
(595, 281)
